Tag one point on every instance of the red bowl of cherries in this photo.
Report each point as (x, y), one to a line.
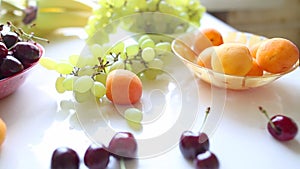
(18, 54)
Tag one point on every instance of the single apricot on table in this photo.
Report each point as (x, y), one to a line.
(277, 55)
(2, 131)
(232, 59)
(206, 38)
(123, 87)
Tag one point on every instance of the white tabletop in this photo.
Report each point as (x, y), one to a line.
(36, 125)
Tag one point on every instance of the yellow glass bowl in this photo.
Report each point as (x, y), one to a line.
(182, 47)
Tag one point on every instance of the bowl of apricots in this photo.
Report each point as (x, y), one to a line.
(236, 60)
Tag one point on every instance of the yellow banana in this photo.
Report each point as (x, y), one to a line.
(52, 14)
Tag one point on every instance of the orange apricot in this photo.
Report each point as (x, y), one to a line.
(2, 131)
(204, 58)
(232, 59)
(277, 55)
(206, 38)
(253, 49)
(255, 70)
(214, 36)
(123, 87)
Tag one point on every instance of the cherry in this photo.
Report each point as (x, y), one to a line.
(206, 160)
(192, 144)
(10, 66)
(123, 145)
(65, 158)
(3, 50)
(26, 52)
(281, 127)
(96, 157)
(10, 39)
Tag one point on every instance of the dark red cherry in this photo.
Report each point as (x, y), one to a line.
(65, 158)
(3, 50)
(123, 145)
(192, 144)
(10, 39)
(96, 157)
(281, 127)
(26, 52)
(285, 128)
(206, 160)
(10, 66)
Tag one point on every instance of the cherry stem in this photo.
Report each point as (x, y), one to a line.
(122, 164)
(205, 118)
(266, 114)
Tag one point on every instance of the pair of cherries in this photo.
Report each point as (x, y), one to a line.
(195, 146)
(123, 145)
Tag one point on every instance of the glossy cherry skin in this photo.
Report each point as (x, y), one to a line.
(206, 160)
(10, 39)
(123, 145)
(26, 52)
(192, 144)
(3, 50)
(286, 129)
(10, 66)
(96, 157)
(65, 158)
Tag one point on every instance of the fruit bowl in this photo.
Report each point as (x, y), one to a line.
(10, 84)
(182, 47)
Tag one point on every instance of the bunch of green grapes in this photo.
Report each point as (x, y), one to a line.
(159, 20)
(85, 75)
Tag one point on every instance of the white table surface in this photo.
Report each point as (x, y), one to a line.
(36, 126)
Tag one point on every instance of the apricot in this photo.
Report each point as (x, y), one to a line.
(2, 131)
(204, 58)
(232, 59)
(255, 70)
(277, 55)
(123, 87)
(253, 49)
(206, 38)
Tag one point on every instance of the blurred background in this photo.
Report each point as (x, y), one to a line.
(270, 18)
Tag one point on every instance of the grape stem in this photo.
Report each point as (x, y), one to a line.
(268, 117)
(205, 118)
(23, 34)
(122, 164)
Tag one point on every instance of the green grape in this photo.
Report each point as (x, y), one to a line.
(156, 64)
(82, 97)
(98, 89)
(164, 7)
(166, 46)
(97, 50)
(68, 82)
(151, 74)
(133, 115)
(122, 56)
(148, 43)
(48, 63)
(132, 50)
(116, 3)
(66, 105)
(64, 68)
(59, 84)
(83, 84)
(87, 70)
(137, 66)
(101, 78)
(117, 65)
(87, 60)
(100, 10)
(142, 39)
(73, 59)
(118, 48)
(92, 20)
(148, 54)
(152, 5)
